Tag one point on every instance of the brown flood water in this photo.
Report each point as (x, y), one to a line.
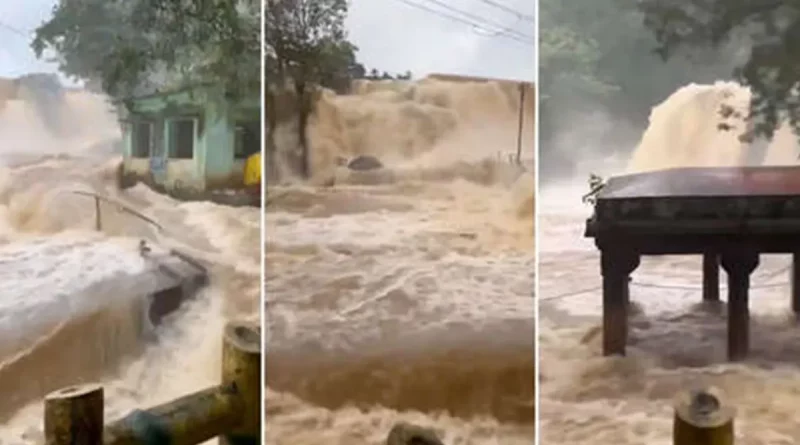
(407, 295)
(674, 342)
(67, 309)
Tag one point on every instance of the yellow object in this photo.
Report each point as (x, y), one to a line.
(252, 170)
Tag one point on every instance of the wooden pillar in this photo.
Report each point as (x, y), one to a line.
(74, 416)
(702, 417)
(795, 278)
(616, 267)
(241, 371)
(710, 277)
(739, 265)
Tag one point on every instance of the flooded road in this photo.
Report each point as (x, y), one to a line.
(400, 298)
(404, 293)
(69, 304)
(674, 341)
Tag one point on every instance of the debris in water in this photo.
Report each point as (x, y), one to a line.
(364, 163)
(408, 434)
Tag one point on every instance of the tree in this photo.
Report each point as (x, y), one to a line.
(130, 45)
(305, 39)
(339, 66)
(601, 51)
(768, 31)
(596, 58)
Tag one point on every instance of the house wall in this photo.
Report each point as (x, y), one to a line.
(223, 170)
(160, 170)
(213, 164)
(220, 170)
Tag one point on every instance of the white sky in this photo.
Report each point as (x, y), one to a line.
(394, 36)
(391, 35)
(18, 19)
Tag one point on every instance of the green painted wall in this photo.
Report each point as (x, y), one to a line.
(213, 164)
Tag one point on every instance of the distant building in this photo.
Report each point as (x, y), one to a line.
(189, 141)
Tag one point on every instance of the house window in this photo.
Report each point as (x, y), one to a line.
(248, 139)
(182, 138)
(141, 139)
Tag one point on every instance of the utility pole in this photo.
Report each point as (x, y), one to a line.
(521, 116)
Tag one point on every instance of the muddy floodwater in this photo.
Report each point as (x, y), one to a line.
(404, 293)
(67, 312)
(406, 301)
(674, 342)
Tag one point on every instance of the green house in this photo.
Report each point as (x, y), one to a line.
(189, 141)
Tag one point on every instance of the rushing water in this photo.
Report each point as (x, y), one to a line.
(67, 312)
(404, 294)
(674, 341)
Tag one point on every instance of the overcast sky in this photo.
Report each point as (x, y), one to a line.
(394, 36)
(18, 18)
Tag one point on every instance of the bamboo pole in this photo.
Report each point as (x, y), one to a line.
(241, 370)
(189, 420)
(74, 416)
(702, 417)
(230, 410)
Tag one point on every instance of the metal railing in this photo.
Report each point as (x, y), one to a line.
(121, 206)
(230, 410)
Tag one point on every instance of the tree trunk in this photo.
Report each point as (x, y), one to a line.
(304, 110)
(270, 149)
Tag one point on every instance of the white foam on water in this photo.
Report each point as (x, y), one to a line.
(674, 342)
(70, 298)
(404, 294)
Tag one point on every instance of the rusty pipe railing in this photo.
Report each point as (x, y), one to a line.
(99, 226)
(230, 410)
(127, 209)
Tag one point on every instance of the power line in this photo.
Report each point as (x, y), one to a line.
(464, 21)
(470, 16)
(571, 294)
(14, 30)
(689, 288)
(510, 10)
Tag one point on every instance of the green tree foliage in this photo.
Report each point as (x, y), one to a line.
(304, 40)
(306, 48)
(599, 57)
(304, 37)
(306, 45)
(126, 45)
(767, 31)
(568, 56)
(340, 67)
(602, 51)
